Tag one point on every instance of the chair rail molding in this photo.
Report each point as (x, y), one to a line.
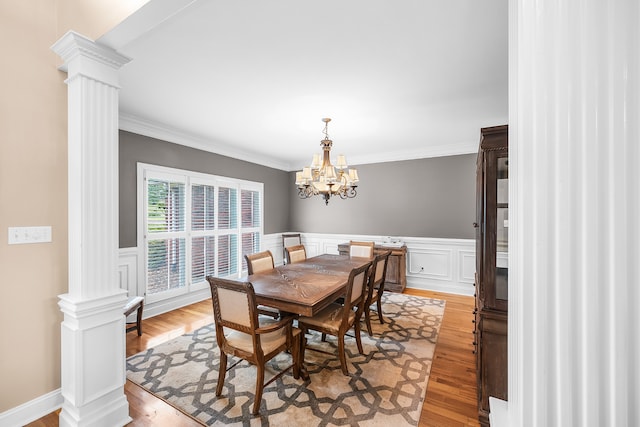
(443, 265)
(92, 378)
(436, 264)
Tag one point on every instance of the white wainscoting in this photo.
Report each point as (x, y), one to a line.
(443, 265)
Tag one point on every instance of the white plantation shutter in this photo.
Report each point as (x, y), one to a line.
(227, 208)
(251, 209)
(227, 255)
(227, 231)
(196, 225)
(203, 215)
(165, 235)
(203, 207)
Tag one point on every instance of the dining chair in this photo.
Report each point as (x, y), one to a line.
(361, 249)
(290, 239)
(242, 333)
(375, 287)
(337, 319)
(295, 254)
(258, 263)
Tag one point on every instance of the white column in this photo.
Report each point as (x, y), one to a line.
(574, 335)
(93, 336)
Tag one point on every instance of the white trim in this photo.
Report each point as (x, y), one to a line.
(460, 254)
(456, 255)
(163, 132)
(498, 412)
(33, 409)
(127, 270)
(470, 147)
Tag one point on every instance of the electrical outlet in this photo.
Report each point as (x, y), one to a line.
(21, 235)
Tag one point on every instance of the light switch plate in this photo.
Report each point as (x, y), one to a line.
(21, 235)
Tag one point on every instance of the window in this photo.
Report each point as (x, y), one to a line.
(194, 225)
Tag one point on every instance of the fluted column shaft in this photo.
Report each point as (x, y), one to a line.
(574, 341)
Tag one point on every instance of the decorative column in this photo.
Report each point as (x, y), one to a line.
(574, 157)
(93, 330)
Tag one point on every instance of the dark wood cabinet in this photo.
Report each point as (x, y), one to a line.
(491, 279)
(396, 278)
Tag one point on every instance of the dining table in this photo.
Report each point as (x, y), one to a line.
(305, 288)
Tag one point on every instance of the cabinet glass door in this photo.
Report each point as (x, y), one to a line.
(502, 228)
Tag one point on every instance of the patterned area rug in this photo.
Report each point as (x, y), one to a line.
(386, 386)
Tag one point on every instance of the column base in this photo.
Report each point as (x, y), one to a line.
(109, 410)
(93, 361)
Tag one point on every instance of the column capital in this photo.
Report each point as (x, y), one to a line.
(84, 56)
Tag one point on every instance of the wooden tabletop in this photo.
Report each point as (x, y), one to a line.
(306, 287)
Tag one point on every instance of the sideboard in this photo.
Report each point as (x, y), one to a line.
(396, 278)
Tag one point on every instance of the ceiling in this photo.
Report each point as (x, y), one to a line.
(252, 79)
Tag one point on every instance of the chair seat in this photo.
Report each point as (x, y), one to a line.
(132, 305)
(328, 319)
(269, 342)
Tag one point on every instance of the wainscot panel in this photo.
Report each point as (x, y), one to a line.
(442, 265)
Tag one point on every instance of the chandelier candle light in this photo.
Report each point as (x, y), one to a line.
(322, 178)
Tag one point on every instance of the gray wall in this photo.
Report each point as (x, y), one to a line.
(432, 197)
(137, 148)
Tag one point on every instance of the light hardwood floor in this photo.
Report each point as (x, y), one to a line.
(451, 391)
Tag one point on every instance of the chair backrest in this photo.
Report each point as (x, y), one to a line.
(356, 286)
(295, 254)
(291, 239)
(378, 273)
(288, 240)
(361, 249)
(234, 306)
(259, 262)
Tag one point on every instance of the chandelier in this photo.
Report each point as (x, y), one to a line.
(322, 179)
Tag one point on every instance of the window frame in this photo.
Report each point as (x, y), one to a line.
(147, 171)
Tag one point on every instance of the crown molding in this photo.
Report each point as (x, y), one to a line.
(423, 153)
(151, 129)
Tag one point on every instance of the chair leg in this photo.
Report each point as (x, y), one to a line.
(221, 372)
(343, 357)
(356, 328)
(259, 387)
(295, 353)
(367, 319)
(379, 304)
(139, 319)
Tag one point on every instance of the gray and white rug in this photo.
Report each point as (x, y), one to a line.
(386, 385)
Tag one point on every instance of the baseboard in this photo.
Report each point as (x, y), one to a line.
(32, 410)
